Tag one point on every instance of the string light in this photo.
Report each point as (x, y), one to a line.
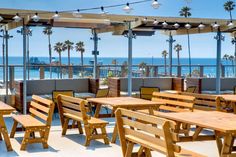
(103, 12)
(56, 15)
(155, 4)
(17, 18)
(187, 26)
(176, 25)
(145, 20)
(201, 26)
(77, 13)
(155, 22)
(35, 18)
(215, 25)
(231, 24)
(164, 24)
(127, 8)
(1, 18)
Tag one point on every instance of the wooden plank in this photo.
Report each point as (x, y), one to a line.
(174, 96)
(134, 136)
(41, 100)
(38, 114)
(140, 126)
(39, 107)
(174, 102)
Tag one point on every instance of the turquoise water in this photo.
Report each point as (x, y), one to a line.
(34, 74)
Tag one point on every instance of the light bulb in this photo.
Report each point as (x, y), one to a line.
(155, 22)
(215, 25)
(35, 18)
(176, 25)
(164, 24)
(155, 4)
(187, 26)
(56, 15)
(17, 18)
(231, 24)
(201, 26)
(127, 8)
(77, 14)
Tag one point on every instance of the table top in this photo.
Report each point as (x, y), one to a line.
(215, 120)
(228, 97)
(124, 102)
(5, 109)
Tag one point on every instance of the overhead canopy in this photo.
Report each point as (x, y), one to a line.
(113, 23)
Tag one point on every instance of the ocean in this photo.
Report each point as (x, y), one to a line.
(208, 71)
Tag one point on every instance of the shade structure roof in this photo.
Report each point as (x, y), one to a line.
(114, 23)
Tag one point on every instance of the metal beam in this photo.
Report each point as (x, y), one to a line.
(24, 29)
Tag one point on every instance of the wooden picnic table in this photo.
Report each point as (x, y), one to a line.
(230, 98)
(123, 102)
(5, 110)
(223, 124)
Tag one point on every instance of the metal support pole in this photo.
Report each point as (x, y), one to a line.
(25, 68)
(130, 37)
(28, 62)
(3, 55)
(6, 65)
(95, 52)
(171, 41)
(219, 38)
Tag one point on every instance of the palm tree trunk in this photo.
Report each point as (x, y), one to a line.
(50, 54)
(82, 63)
(178, 58)
(189, 55)
(68, 56)
(230, 14)
(60, 64)
(165, 65)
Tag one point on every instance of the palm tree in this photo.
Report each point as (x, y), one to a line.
(178, 48)
(48, 31)
(114, 62)
(185, 12)
(231, 59)
(79, 47)
(142, 67)
(229, 6)
(69, 46)
(226, 58)
(164, 54)
(59, 47)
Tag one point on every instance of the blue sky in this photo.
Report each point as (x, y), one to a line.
(202, 46)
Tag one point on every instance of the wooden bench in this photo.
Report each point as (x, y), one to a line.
(71, 108)
(206, 102)
(150, 132)
(174, 102)
(40, 118)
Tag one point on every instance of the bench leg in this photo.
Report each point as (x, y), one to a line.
(0, 136)
(147, 152)
(114, 134)
(44, 135)
(25, 140)
(13, 130)
(65, 126)
(88, 133)
(80, 127)
(129, 150)
(104, 132)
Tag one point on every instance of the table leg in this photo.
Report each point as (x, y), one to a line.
(234, 107)
(5, 133)
(218, 141)
(114, 134)
(228, 144)
(97, 111)
(151, 112)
